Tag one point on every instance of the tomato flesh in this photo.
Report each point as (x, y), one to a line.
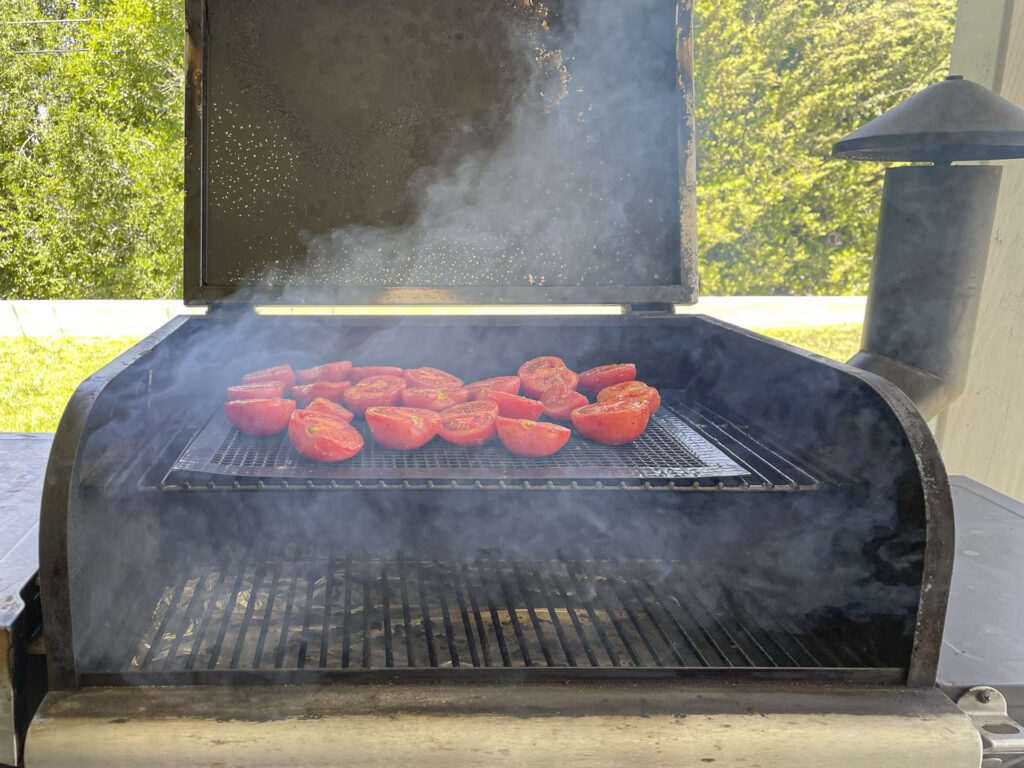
(478, 389)
(559, 402)
(366, 371)
(329, 390)
(433, 398)
(374, 391)
(431, 377)
(472, 423)
(631, 390)
(596, 379)
(534, 439)
(330, 408)
(323, 437)
(281, 373)
(514, 406)
(266, 390)
(327, 372)
(612, 423)
(402, 429)
(540, 374)
(259, 417)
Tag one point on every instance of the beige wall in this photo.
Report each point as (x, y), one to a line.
(982, 433)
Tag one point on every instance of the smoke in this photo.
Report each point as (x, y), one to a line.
(566, 175)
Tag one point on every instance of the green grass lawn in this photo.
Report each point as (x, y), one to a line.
(39, 375)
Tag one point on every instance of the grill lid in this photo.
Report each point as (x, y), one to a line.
(466, 151)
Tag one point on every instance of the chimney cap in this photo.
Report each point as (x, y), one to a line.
(954, 119)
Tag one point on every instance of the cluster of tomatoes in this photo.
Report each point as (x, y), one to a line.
(406, 408)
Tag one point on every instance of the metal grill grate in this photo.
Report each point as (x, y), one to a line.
(361, 612)
(670, 448)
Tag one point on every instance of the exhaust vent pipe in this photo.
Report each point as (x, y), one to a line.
(933, 233)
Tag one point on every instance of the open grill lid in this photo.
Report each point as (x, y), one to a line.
(471, 151)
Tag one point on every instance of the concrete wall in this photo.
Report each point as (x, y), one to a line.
(982, 433)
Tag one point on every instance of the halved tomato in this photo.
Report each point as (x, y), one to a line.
(473, 406)
(630, 390)
(540, 374)
(402, 429)
(514, 406)
(613, 423)
(472, 423)
(376, 390)
(559, 402)
(282, 373)
(329, 390)
(431, 377)
(509, 384)
(433, 398)
(259, 417)
(265, 390)
(366, 371)
(596, 379)
(327, 372)
(524, 437)
(328, 408)
(322, 437)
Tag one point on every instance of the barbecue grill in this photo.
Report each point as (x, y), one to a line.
(763, 573)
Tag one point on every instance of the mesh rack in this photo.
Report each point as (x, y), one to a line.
(296, 611)
(684, 447)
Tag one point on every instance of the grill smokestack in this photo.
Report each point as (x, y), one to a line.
(933, 233)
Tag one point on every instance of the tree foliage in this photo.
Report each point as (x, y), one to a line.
(777, 84)
(91, 141)
(91, 149)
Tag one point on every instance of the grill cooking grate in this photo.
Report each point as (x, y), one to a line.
(680, 444)
(299, 612)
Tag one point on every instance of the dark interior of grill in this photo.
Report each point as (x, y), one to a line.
(802, 558)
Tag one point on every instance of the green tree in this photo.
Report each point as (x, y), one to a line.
(777, 84)
(91, 145)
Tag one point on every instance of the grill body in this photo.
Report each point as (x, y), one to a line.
(821, 553)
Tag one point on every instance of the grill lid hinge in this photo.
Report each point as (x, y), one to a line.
(1002, 738)
(648, 308)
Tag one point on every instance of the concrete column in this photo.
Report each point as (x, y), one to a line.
(982, 434)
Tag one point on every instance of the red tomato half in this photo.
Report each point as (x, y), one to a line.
(433, 398)
(471, 423)
(596, 379)
(322, 437)
(259, 417)
(478, 389)
(532, 438)
(514, 406)
(630, 390)
(282, 373)
(542, 373)
(431, 377)
(613, 423)
(559, 402)
(266, 390)
(474, 406)
(327, 372)
(329, 390)
(366, 371)
(376, 390)
(328, 408)
(402, 429)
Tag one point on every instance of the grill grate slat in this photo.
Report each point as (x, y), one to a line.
(357, 612)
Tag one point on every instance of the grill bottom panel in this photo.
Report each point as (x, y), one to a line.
(358, 612)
